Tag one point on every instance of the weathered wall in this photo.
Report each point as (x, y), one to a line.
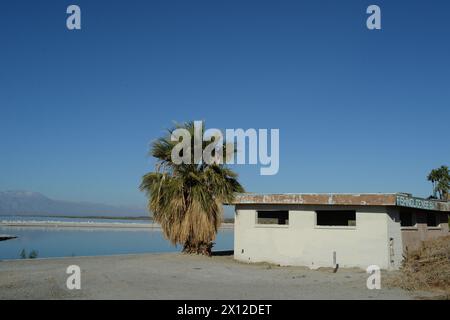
(303, 243)
(395, 237)
(412, 237)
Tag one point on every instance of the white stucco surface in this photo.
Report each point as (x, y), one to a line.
(303, 243)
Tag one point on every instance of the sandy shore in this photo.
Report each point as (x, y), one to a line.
(177, 276)
(75, 224)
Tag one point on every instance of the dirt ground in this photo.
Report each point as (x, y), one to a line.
(177, 276)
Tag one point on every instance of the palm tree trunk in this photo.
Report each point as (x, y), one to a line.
(202, 248)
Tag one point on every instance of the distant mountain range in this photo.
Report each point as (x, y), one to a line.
(26, 203)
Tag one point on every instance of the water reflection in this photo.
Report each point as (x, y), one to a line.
(68, 241)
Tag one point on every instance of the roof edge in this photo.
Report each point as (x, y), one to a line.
(356, 199)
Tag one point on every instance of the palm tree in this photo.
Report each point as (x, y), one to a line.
(440, 178)
(433, 177)
(186, 199)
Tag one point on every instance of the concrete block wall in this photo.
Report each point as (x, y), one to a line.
(303, 243)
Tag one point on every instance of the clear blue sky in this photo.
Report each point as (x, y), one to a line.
(358, 110)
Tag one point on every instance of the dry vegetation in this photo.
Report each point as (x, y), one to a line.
(427, 268)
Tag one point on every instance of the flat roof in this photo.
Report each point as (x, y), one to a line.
(348, 199)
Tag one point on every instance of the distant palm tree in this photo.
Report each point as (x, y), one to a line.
(433, 178)
(186, 199)
(440, 178)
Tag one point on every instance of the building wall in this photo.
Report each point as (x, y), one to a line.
(414, 236)
(302, 243)
(395, 237)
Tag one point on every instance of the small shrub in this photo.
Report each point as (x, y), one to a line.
(33, 254)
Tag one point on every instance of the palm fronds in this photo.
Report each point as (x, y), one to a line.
(186, 199)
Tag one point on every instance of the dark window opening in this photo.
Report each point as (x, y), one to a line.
(432, 219)
(273, 217)
(336, 218)
(407, 219)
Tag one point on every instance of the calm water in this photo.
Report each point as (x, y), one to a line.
(66, 242)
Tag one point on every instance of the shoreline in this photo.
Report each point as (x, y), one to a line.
(76, 224)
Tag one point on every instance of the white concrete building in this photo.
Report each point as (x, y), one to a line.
(322, 230)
